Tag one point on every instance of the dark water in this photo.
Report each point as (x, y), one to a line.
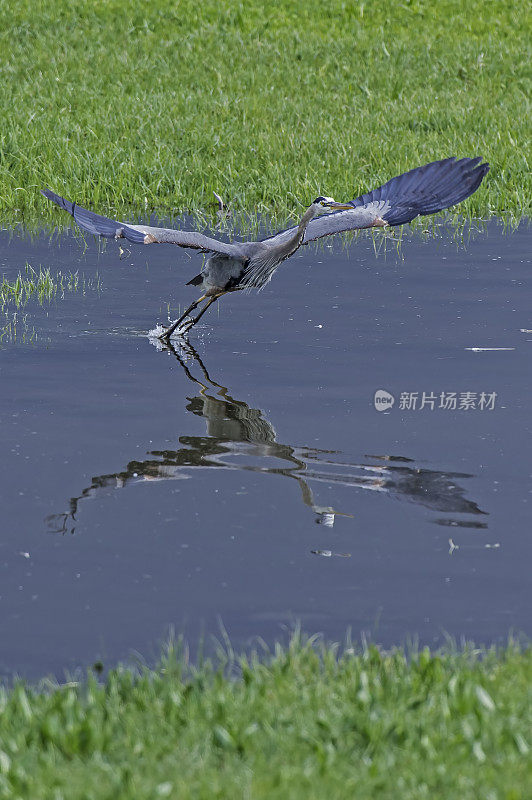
(253, 481)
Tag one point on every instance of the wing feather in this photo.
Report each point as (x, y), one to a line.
(139, 234)
(418, 192)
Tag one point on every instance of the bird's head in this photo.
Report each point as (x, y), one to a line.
(326, 205)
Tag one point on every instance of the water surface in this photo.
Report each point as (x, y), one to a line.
(250, 478)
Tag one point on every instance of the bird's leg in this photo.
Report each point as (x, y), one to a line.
(169, 331)
(188, 325)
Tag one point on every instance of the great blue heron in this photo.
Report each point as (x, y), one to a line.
(250, 265)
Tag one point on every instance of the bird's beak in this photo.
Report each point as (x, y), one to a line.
(339, 206)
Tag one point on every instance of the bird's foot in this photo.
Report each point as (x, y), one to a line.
(178, 327)
(165, 334)
(185, 326)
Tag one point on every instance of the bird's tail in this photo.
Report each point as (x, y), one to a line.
(196, 280)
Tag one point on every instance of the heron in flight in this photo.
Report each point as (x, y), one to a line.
(250, 265)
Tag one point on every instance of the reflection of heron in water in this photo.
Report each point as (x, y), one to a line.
(235, 429)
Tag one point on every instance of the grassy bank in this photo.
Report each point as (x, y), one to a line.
(152, 106)
(303, 724)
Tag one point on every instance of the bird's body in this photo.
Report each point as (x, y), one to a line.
(253, 263)
(250, 265)
(220, 274)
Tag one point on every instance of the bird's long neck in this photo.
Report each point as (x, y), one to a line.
(292, 244)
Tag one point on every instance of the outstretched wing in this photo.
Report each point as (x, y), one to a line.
(423, 190)
(139, 234)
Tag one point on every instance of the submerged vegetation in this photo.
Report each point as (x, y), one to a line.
(42, 286)
(15, 327)
(305, 723)
(136, 107)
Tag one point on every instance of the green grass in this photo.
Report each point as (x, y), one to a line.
(41, 286)
(136, 106)
(304, 723)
